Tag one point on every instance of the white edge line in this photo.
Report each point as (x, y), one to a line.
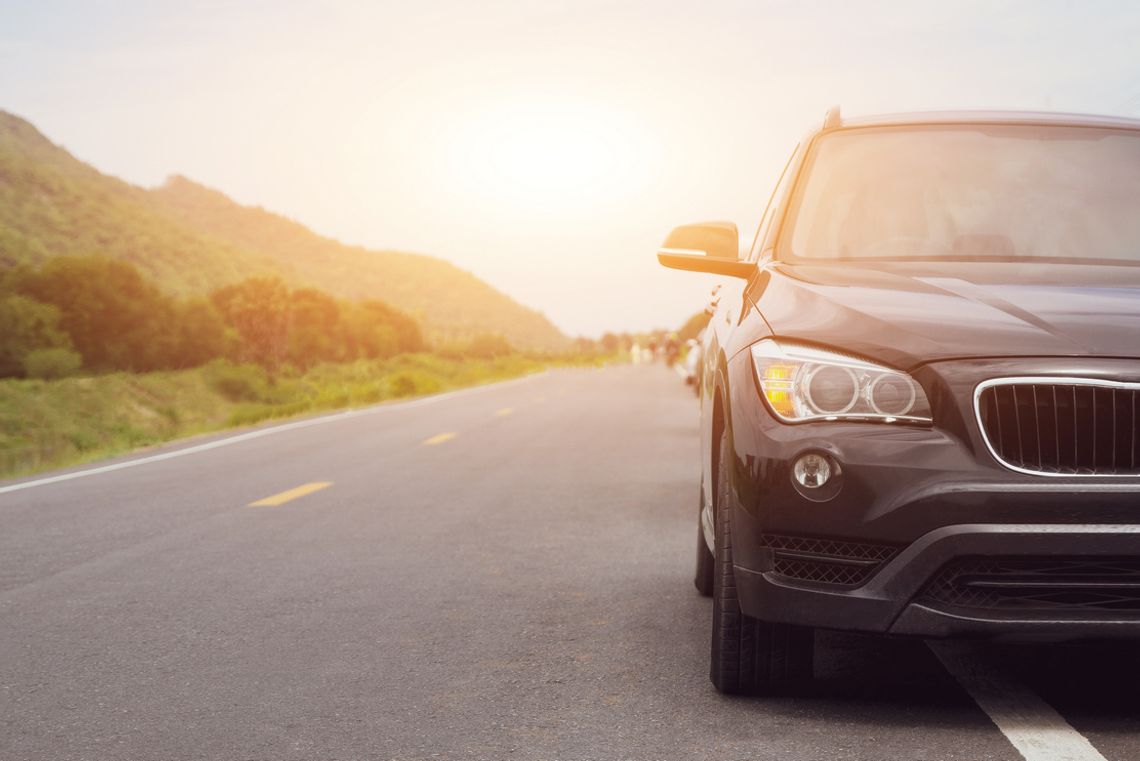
(1032, 726)
(269, 431)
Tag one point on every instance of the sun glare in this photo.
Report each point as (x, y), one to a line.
(570, 155)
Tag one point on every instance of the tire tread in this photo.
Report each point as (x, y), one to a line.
(749, 656)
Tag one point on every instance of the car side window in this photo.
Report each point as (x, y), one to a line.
(762, 228)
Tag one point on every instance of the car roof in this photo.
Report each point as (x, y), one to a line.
(986, 117)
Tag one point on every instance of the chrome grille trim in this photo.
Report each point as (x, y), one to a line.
(1068, 381)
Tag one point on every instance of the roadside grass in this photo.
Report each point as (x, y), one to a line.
(55, 423)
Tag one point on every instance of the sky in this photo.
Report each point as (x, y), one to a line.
(547, 147)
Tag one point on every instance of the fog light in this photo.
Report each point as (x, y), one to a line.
(812, 471)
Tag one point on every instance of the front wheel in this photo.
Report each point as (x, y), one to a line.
(749, 656)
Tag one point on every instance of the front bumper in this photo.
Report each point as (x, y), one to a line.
(892, 601)
(925, 497)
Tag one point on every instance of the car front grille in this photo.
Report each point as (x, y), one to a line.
(1038, 584)
(1062, 427)
(825, 561)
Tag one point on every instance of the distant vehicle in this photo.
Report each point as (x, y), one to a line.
(922, 409)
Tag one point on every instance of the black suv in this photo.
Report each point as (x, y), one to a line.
(919, 393)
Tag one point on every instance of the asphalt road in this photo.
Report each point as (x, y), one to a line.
(518, 589)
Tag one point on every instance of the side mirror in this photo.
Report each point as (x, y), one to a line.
(712, 247)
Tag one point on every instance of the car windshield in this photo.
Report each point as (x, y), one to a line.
(1004, 192)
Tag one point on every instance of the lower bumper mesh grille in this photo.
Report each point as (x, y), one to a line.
(826, 561)
(1040, 584)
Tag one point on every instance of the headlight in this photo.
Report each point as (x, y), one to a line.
(802, 383)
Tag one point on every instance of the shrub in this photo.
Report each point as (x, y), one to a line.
(238, 383)
(402, 384)
(51, 363)
(482, 346)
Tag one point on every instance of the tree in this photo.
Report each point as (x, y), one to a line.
(201, 334)
(585, 346)
(488, 346)
(369, 338)
(610, 343)
(315, 330)
(26, 326)
(258, 309)
(116, 319)
(379, 330)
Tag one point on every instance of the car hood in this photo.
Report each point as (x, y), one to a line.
(907, 314)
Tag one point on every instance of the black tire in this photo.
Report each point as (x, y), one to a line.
(703, 580)
(749, 656)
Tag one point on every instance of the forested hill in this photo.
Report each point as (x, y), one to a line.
(444, 296)
(191, 239)
(54, 205)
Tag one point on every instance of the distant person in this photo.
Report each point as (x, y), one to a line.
(672, 349)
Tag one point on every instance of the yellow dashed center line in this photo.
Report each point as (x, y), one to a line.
(439, 438)
(504, 412)
(292, 494)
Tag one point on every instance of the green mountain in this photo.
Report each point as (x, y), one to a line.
(192, 239)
